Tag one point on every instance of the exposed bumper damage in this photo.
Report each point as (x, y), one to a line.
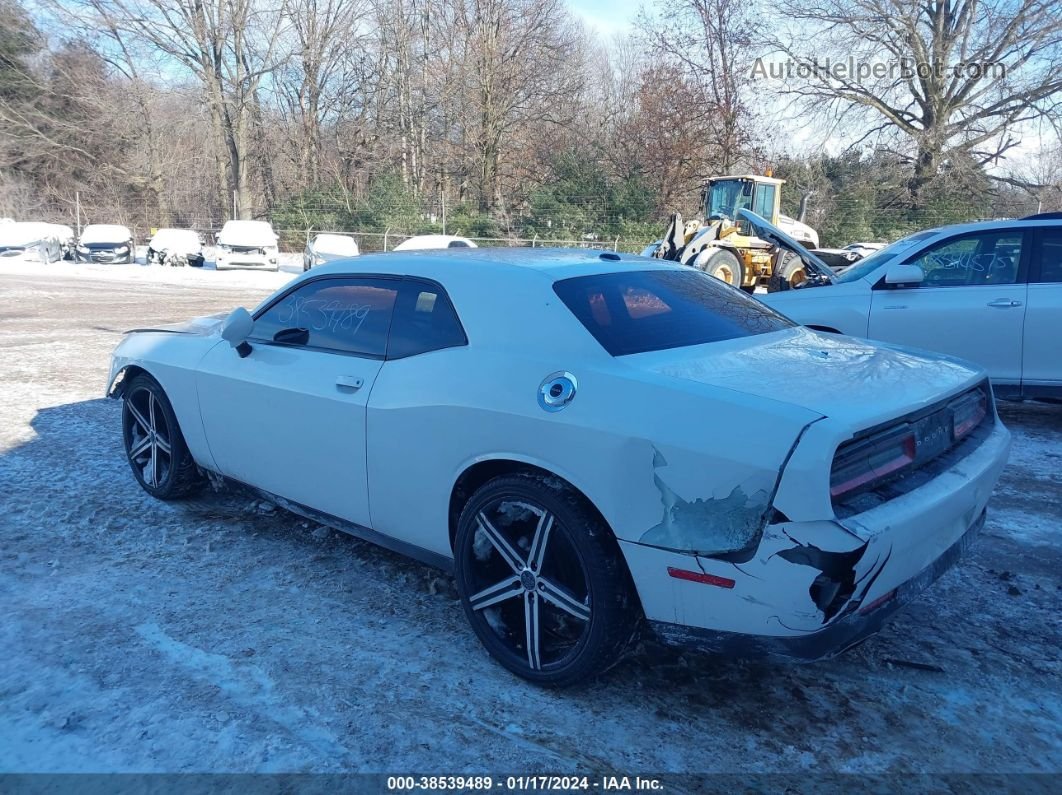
(855, 625)
(812, 588)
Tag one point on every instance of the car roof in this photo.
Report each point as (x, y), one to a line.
(555, 263)
(988, 226)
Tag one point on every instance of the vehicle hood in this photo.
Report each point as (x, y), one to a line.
(199, 326)
(859, 382)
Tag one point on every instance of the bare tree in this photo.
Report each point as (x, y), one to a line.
(711, 43)
(520, 57)
(962, 76)
(230, 47)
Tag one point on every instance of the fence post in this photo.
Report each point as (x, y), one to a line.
(387, 231)
(533, 242)
(615, 246)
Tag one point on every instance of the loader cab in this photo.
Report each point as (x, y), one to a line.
(724, 196)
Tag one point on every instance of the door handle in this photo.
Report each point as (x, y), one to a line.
(1004, 303)
(349, 382)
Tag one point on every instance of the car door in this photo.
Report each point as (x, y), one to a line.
(412, 411)
(1042, 354)
(971, 303)
(289, 417)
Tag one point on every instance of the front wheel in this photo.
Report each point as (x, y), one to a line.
(154, 446)
(542, 580)
(788, 273)
(725, 266)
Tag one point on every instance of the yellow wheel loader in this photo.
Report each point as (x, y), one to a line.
(730, 251)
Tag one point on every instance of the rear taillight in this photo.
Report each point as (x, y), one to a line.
(865, 462)
(968, 412)
(910, 443)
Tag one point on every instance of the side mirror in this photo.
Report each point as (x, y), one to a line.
(904, 276)
(236, 329)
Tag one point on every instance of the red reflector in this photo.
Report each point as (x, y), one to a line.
(870, 608)
(700, 576)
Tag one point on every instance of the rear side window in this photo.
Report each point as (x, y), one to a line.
(342, 315)
(1050, 256)
(424, 320)
(638, 311)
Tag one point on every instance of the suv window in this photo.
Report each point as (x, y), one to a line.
(983, 258)
(348, 315)
(1050, 256)
(638, 311)
(424, 320)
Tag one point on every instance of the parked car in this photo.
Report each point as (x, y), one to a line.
(176, 246)
(326, 247)
(105, 243)
(987, 292)
(588, 440)
(67, 239)
(840, 259)
(28, 240)
(247, 244)
(418, 242)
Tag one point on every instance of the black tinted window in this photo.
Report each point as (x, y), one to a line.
(424, 321)
(1050, 256)
(639, 311)
(347, 315)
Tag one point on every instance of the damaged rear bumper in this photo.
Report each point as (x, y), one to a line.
(829, 641)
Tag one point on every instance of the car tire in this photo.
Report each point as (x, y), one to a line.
(574, 589)
(788, 274)
(149, 429)
(725, 266)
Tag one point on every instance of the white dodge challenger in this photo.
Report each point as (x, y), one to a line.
(591, 442)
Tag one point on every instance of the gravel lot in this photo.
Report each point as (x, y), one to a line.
(224, 635)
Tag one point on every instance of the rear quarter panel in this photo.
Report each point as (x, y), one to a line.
(635, 445)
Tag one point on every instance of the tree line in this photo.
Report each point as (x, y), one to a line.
(509, 119)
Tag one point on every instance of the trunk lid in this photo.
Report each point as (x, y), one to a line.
(860, 382)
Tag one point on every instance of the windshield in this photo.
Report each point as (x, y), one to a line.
(105, 233)
(247, 233)
(869, 264)
(638, 311)
(335, 244)
(727, 196)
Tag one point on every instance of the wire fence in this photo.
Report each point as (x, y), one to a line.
(591, 224)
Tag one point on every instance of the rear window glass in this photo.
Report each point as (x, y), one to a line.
(638, 311)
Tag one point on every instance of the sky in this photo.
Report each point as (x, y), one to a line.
(607, 16)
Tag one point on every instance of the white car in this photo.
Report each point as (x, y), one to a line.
(588, 440)
(30, 241)
(420, 242)
(105, 243)
(326, 247)
(171, 246)
(247, 244)
(988, 292)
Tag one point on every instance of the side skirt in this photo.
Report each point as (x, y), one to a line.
(420, 554)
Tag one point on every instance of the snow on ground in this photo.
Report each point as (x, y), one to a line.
(221, 634)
